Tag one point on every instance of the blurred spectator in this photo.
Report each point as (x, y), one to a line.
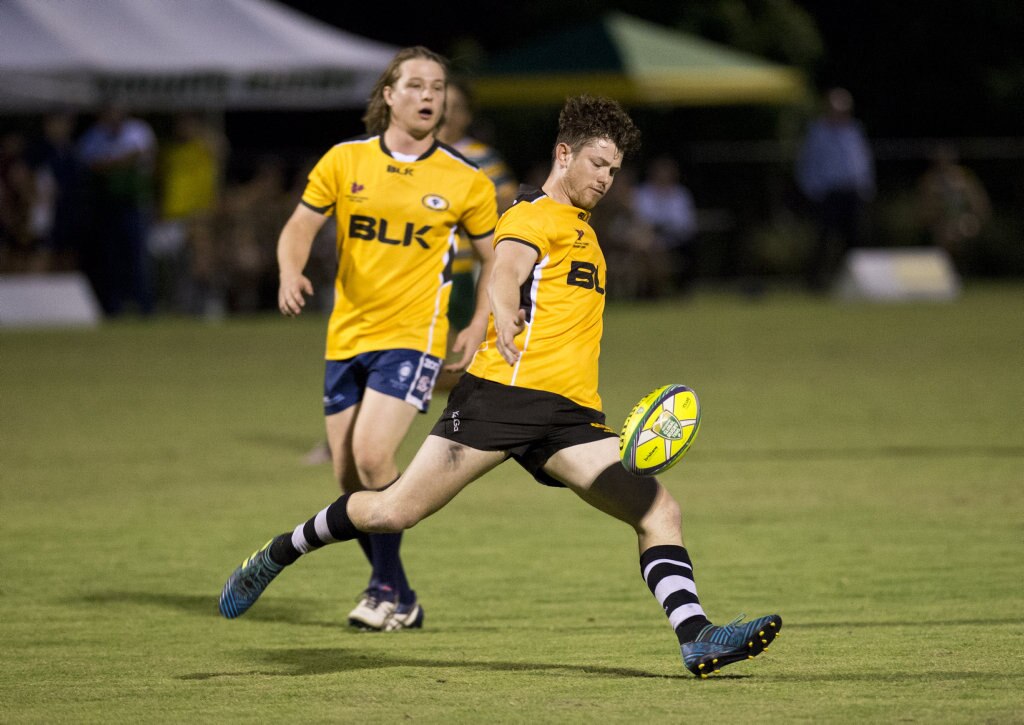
(638, 268)
(18, 237)
(119, 153)
(23, 212)
(191, 171)
(835, 172)
(953, 206)
(667, 207)
(537, 174)
(57, 179)
(252, 215)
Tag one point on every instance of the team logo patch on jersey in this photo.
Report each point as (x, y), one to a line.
(435, 202)
(355, 193)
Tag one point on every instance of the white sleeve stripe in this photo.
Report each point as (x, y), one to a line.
(537, 274)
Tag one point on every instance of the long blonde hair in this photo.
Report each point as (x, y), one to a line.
(378, 113)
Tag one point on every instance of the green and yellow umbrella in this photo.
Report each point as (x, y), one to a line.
(637, 63)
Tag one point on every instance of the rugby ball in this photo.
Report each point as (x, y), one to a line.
(659, 430)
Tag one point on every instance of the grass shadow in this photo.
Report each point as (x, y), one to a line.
(294, 611)
(204, 605)
(301, 662)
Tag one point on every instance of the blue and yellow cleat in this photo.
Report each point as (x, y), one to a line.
(716, 647)
(247, 582)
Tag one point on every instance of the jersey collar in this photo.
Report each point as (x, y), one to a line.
(425, 154)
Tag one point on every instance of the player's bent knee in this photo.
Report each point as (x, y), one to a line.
(394, 521)
(663, 517)
(389, 513)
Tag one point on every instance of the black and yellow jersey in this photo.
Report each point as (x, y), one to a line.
(397, 226)
(563, 299)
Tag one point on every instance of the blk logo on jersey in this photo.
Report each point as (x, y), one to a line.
(584, 274)
(372, 229)
(403, 170)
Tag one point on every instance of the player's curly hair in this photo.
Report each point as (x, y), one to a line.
(585, 118)
(378, 113)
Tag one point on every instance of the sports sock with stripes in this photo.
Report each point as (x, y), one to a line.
(330, 525)
(669, 575)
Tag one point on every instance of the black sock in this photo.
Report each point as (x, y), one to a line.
(330, 525)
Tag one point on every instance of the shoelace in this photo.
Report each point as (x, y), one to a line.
(721, 634)
(735, 621)
(373, 598)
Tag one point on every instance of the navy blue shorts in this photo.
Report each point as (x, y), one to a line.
(408, 375)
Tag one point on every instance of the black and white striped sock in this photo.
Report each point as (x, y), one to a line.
(330, 525)
(669, 575)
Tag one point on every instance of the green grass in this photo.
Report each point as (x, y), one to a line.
(860, 470)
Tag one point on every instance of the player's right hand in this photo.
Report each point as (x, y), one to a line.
(506, 334)
(290, 299)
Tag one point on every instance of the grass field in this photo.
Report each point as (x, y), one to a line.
(860, 470)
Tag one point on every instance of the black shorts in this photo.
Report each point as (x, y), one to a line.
(530, 425)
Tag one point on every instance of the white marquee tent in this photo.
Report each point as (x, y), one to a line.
(165, 55)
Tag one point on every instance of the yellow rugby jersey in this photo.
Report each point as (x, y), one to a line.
(397, 229)
(564, 302)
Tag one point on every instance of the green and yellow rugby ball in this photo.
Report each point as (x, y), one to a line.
(659, 430)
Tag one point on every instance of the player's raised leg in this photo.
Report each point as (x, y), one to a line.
(435, 476)
(593, 471)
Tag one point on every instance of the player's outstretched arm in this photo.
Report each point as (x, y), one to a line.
(512, 265)
(293, 248)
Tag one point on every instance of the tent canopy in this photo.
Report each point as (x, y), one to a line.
(159, 55)
(637, 63)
